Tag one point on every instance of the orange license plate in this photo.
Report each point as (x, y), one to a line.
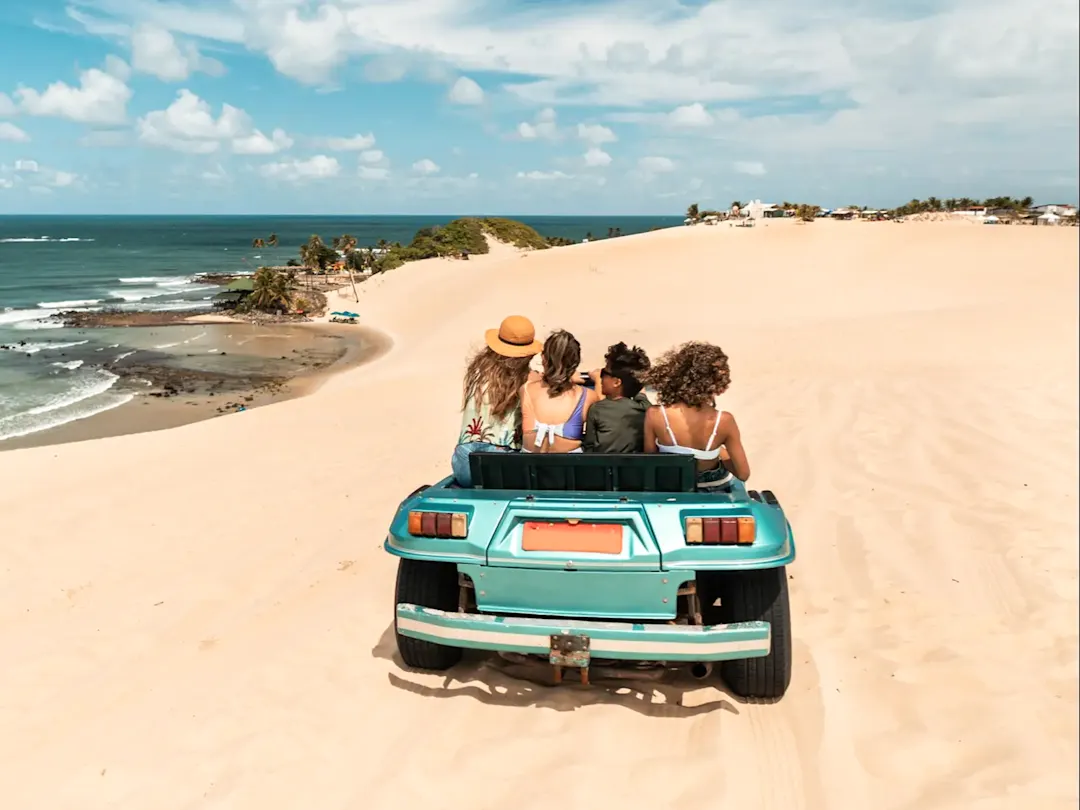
(593, 538)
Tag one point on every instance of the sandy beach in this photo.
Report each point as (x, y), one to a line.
(202, 616)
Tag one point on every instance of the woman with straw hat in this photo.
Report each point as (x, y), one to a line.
(491, 399)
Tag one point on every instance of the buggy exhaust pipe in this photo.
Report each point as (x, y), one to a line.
(701, 670)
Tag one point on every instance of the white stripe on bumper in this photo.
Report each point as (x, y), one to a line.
(599, 647)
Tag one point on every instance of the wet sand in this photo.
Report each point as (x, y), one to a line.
(170, 396)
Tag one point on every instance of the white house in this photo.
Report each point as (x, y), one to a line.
(755, 209)
(1060, 209)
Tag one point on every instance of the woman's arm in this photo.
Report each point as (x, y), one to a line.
(736, 462)
(650, 434)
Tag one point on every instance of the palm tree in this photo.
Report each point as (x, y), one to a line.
(311, 252)
(692, 213)
(346, 243)
(271, 290)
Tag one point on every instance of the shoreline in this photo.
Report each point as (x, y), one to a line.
(171, 408)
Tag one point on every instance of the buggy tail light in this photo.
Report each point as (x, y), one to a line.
(720, 531)
(438, 524)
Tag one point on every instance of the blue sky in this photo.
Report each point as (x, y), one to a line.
(530, 106)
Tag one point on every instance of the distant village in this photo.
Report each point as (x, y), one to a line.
(1006, 212)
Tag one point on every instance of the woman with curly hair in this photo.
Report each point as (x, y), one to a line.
(554, 407)
(687, 381)
(491, 406)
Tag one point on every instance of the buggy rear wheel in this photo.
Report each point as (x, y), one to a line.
(753, 596)
(431, 585)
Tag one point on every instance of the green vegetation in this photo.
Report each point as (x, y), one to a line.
(933, 205)
(315, 255)
(270, 241)
(805, 212)
(272, 291)
(461, 238)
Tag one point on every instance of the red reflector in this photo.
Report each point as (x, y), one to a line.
(427, 524)
(443, 521)
(729, 531)
(711, 531)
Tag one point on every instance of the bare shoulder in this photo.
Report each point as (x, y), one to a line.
(727, 422)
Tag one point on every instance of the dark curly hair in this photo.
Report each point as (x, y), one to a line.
(629, 365)
(562, 356)
(692, 374)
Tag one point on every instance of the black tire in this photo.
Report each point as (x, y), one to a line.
(432, 585)
(754, 596)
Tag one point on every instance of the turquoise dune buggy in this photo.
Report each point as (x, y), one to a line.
(596, 563)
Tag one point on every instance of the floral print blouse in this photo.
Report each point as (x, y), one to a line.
(479, 424)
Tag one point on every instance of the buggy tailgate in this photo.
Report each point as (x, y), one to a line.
(566, 534)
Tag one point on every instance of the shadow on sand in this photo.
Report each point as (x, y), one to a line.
(490, 680)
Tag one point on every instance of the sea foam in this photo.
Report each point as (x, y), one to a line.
(88, 395)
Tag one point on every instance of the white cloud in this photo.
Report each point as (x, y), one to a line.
(543, 127)
(100, 98)
(154, 50)
(596, 134)
(977, 87)
(425, 166)
(656, 164)
(373, 172)
(597, 157)
(372, 156)
(10, 132)
(543, 176)
(258, 144)
(63, 179)
(215, 174)
(357, 143)
(751, 167)
(7, 106)
(188, 125)
(35, 177)
(466, 91)
(690, 115)
(319, 167)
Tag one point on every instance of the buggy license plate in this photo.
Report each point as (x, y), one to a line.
(591, 538)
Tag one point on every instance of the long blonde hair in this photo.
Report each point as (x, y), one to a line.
(498, 379)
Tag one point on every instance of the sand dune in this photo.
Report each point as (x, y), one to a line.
(201, 617)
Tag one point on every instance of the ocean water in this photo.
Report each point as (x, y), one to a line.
(55, 375)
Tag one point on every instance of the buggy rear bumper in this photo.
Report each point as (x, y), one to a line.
(608, 640)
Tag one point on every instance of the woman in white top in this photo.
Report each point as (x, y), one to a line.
(687, 422)
(491, 403)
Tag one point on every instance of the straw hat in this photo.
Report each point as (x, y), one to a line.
(515, 337)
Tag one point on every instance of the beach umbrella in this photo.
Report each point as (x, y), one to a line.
(351, 314)
(342, 314)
